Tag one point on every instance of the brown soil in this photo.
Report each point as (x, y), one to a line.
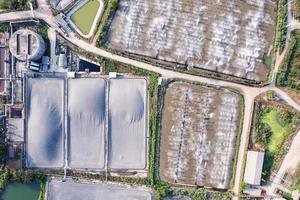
(191, 145)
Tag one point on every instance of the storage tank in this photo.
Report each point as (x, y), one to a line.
(25, 43)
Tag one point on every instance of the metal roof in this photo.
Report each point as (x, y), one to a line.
(254, 166)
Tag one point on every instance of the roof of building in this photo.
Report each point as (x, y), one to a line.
(254, 166)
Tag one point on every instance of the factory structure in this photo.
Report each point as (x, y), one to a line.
(25, 45)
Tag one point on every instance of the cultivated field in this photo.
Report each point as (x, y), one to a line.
(45, 124)
(226, 36)
(103, 123)
(86, 119)
(70, 190)
(199, 129)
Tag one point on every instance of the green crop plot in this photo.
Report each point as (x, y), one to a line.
(85, 16)
(279, 132)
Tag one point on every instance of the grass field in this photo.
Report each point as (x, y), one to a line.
(85, 16)
(279, 132)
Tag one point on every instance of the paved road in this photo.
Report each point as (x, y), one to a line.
(44, 13)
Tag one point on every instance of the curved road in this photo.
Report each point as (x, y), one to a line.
(44, 13)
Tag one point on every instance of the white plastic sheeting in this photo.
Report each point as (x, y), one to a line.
(103, 123)
(86, 119)
(127, 123)
(44, 132)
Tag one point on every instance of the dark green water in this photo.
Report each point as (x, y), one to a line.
(20, 191)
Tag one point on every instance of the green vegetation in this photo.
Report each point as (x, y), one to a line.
(84, 17)
(243, 186)
(273, 129)
(42, 29)
(289, 73)
(4, 27)
(278, 127)
(271, 94)
(202, 194)
(109, 10)
(268, 60)
(287, 196)
(281, 26)
(238, 141)
(14, 4)
(2, 151)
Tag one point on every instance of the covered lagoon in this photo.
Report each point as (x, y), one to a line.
(21, 191)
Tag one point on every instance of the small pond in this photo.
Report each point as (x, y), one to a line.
(21, 191)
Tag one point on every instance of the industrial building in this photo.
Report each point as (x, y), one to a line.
(254, 166)
(25, 45)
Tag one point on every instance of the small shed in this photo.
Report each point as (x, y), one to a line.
(254, 166)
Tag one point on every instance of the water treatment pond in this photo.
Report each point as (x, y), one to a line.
(91, 67)
(20, 191)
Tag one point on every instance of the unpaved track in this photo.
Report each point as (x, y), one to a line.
(44, 13)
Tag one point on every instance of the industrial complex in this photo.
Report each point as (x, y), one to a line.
(149, 100)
